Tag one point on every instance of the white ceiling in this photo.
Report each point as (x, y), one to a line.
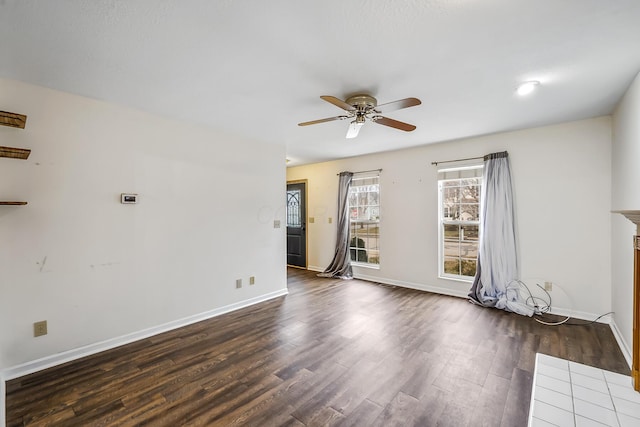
(257, 68)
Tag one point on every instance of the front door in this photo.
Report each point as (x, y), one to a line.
(296, 225)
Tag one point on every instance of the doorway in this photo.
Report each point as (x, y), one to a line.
(297, 224)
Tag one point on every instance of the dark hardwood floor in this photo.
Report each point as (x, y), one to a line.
(332, 352)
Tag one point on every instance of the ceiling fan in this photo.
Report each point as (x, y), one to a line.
(361, 108)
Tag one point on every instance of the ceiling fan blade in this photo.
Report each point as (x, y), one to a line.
(397, 105)
(338, 102)
(393, 123)
(354, 129)
(328, 119)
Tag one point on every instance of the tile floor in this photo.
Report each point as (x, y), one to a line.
(571, 394)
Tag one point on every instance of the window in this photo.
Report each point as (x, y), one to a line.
(364, 218)
(459, 217)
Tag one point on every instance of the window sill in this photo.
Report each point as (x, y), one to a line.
(363, 265)
(457, 279)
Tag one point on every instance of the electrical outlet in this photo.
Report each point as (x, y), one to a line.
(276, 223)
(548, 286)
(312, 220)
(330, 220)
(40, 328)
(252, 280)
(238, 283)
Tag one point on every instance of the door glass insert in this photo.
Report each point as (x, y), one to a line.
(294, 214)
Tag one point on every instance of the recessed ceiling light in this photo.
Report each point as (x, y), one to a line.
(527, 87)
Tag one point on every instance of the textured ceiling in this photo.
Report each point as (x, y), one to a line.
(257, 68)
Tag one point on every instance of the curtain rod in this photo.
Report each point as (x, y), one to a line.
(372, 170)
(457, 160)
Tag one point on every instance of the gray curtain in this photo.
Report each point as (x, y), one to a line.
(341, 264)
(496, 282)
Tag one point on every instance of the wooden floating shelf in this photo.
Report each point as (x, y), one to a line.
(12, 119)
(14, 153)
(631, 215)
(13, 203)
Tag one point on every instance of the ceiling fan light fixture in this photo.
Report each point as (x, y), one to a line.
(527, 88)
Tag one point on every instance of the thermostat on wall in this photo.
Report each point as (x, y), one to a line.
(128, 198)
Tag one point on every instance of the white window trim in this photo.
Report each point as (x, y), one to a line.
(441, 273)
(361, 176)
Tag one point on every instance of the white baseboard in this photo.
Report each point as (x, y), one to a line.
(624, 347)
(315, 268)
(77, 353)
(575, 314)
(410, 285)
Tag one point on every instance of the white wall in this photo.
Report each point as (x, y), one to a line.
(96, 269)
(562, 184)
(625, 196)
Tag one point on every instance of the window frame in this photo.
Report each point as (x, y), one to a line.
(361, 176)
(442, 222)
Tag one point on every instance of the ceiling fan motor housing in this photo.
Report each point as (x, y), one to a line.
(362, 102)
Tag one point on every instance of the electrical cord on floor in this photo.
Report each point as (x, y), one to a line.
(562, 322)
(542, 307)
(591, 322)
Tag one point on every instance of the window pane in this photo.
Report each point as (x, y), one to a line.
(452, 232)
(468, 267)
(452, 266)
(469, 212)
(452, 212)
(375, 213)
(450, 195)
(451, 249)
(469, 232)
(363, 213)
(469, 250)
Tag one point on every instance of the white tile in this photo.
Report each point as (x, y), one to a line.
(592, 396)
(552, 414)
(554, 398)
(553, 384)
(556, 373)
(627, 421)
(627, 407)
(553, 361)
(536, 422)
(616, 378)
(585, 370)
(627, 393)
(595, 412)
(599, 398)
(587, 422)
(588, 382)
